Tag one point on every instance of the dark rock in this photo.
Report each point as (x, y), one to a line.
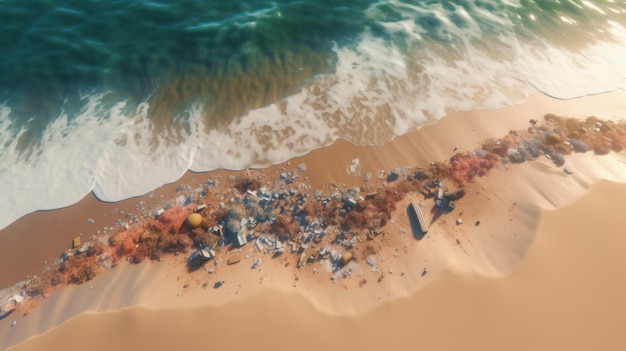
(579, 145)
(557, 159)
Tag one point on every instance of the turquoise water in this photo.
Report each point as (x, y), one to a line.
(120, 97)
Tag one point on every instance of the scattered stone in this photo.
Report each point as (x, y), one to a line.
(89, 221)
(14, 323)
(477, 223)
(302, 167)
(394, 175)
(367, 177)
(568, 171)
(459, 221)
(557, 159)
(218, 284)
(578, 145)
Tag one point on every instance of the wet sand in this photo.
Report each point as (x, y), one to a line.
(520, 290)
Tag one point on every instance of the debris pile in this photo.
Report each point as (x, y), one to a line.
(284, 215)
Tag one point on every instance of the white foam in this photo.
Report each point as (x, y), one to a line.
(377, 91)
(596, 68)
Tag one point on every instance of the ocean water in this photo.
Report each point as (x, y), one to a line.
(120, 97)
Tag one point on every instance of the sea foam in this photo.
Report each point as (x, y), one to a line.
(382, 86)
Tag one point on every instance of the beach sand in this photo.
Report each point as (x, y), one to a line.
(566, 294)
(527, 277)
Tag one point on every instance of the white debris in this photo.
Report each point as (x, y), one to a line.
(180, 200)
(459, 221)
(354, 168)
(259, 245)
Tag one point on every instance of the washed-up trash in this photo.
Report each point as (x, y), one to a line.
(256, 263)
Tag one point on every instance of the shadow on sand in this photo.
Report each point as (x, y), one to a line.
(6, 314)
(436, 212)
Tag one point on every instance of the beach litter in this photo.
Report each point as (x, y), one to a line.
(233, 260)
(354, 168)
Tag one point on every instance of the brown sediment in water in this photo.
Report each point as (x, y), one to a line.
(289, 210)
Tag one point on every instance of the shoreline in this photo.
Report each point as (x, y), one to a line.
(436, 140)
(489, 314)
(521, 296)
(432, 143)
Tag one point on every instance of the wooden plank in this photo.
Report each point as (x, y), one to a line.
(76, 242)
(233, 260)
(417, 209)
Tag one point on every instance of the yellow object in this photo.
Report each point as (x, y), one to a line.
(347, 257)
(194, 220)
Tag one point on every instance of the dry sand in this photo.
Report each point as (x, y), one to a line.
(566, 294)
(512, 282)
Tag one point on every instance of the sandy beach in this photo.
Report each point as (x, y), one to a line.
(539, 271)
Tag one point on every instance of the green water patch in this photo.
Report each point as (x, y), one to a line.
(229, 56)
